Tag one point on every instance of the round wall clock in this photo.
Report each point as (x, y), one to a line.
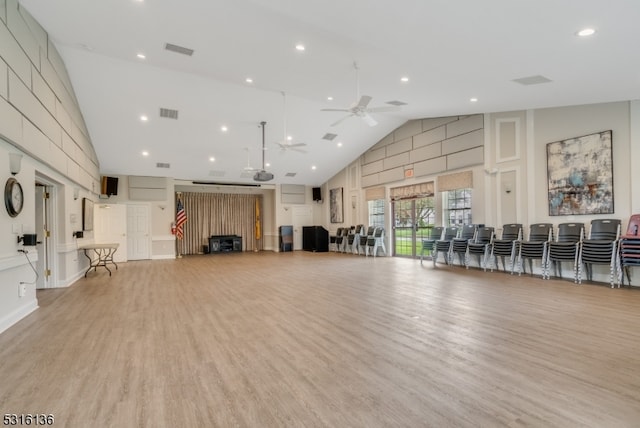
(13, 197)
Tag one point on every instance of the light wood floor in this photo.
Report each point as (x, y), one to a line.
(323, 339)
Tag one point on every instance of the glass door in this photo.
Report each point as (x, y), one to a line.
(412, 221)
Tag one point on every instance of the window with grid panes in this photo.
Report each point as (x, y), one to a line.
(457, 207)
(376, 212)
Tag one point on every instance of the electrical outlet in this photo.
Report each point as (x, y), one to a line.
(22, 290)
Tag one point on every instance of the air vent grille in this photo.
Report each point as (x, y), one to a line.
(532, 80)
(290, 174)
(178, 49)
(163, 165)
(168, 113)
(329, 136)
(397, 103)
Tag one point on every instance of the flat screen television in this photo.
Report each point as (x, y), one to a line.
(87, 214)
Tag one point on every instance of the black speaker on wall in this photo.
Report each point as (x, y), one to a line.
(317, 194)
(109, 186)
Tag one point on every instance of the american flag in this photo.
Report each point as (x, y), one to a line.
(181, 219)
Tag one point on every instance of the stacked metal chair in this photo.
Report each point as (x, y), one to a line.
(333, 240)
(506, 246)
(601, 248)
(444, 245)
(353, 239)
(630, 248)
(565, 249)
(540, 234)
(427, 243)
(479, 246)
(364, 237)
(459, 244)
(341, 238)
(376, 242)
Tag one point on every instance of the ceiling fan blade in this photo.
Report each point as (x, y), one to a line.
(341, 120)
(369, 120)
(297, 145)
(383, 109)
(336, 109)
(295, 149)
(364, 101)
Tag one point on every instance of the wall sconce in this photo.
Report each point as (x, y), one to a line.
(76, 193)
(79, 234)
(28, 239)
(15, 162)
(507, 188)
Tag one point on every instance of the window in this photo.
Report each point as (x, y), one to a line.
(457, 205)
(376, 212)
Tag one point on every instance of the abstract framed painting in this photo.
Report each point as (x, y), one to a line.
(580, 175)
(335, 205)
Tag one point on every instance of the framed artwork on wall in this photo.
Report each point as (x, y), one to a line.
(335, 205)
(580, 175)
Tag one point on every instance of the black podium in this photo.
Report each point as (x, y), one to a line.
(224, 243)
(315, 238)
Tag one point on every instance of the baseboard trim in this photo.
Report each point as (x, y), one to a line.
(18, 314)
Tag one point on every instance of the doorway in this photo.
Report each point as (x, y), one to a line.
(138, 239)
(412, 222)
(44, 193)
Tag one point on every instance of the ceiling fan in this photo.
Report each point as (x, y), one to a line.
(286, 143)
(361, 107)
(263, 175)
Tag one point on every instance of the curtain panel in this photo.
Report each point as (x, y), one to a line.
(420, 190)
(459, 180)
(221, 214)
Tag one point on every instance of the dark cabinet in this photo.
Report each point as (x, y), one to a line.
(286, 238)
(315, 238)
(225, 243)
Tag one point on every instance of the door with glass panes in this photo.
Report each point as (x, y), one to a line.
(412, 221)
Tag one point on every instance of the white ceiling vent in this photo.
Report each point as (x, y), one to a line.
(532, 80)
(178, 49)
(214, 173)
(163, 165)
(168, 113)
(329, 136)
(290, 174)
(397, 103)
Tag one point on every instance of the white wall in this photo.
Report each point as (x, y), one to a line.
(40, 118)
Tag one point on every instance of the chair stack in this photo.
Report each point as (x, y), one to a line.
(565, 249)
(600, 248)
(364, 238)
(459, 244)
(630, 248)
(444, 245)
(341, 238)
(333, 240)
(427, 243)
(540, 234)
(479, 246)
(376, 242)
(506, 246)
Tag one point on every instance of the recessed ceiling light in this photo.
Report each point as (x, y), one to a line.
(474, 100)
(145, 153)
(313, 167)
(248, 80)
(212, 159)
(586, 32)
(339, 144)
(267, 164)
(144, 118)
(141, 56)
(223, 128)
(289, 138)
(404, 79)
(329, 98)
(300, 47)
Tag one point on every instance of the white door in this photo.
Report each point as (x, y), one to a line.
(110, 226)
(138, 237)
(43, 265)
(302, 215)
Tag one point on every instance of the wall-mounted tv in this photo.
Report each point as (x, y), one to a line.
(87, 214)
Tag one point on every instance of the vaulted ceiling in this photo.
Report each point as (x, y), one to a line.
(450, 51)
